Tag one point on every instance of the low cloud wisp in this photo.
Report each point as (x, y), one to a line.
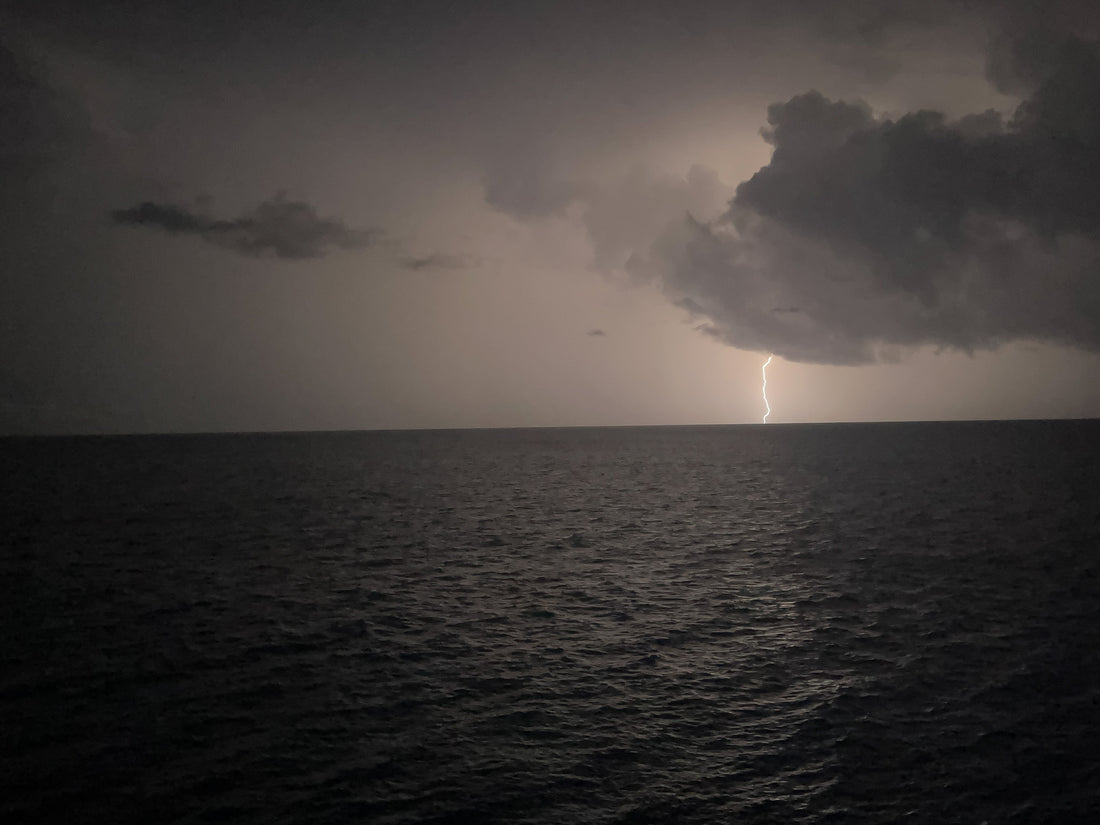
(437, 260)
(277, 227)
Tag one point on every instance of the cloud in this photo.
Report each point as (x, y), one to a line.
(621, 214)
(865, 234)
(280, 227)
(596, 333)
(528, 193)
(168, 218)
(1028, 39)
(438, 260)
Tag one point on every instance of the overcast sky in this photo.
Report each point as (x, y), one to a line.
(279, 216)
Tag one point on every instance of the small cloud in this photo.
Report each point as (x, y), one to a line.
(438, 260)
(280, 227)
(784, 310)
(164, 216)
(598, 333)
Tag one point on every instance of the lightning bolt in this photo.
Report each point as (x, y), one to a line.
(764, 388)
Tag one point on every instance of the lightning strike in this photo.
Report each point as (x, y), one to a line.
(764, 388)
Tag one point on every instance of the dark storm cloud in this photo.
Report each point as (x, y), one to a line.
(1028, 39)
(890, 233)
(279, 227)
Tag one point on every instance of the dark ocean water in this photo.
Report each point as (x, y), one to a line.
(790, 624)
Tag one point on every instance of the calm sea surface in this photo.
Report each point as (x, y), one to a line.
(768, 624)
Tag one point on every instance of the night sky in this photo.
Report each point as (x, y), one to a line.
(356, 215)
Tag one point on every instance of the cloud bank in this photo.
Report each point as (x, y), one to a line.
(277, 227)
(866, 236)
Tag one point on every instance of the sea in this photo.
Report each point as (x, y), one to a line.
(833, 623)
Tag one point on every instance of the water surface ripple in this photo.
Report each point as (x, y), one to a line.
(789, 624)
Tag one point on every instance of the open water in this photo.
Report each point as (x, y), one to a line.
(768, 624)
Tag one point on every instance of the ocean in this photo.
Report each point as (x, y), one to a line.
(860, 623)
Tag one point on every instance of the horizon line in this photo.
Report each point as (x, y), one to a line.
(747, 424)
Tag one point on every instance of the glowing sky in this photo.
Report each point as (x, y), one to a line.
(280, 215)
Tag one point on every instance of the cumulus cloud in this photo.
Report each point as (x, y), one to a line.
(865, 235)
(279, 227)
